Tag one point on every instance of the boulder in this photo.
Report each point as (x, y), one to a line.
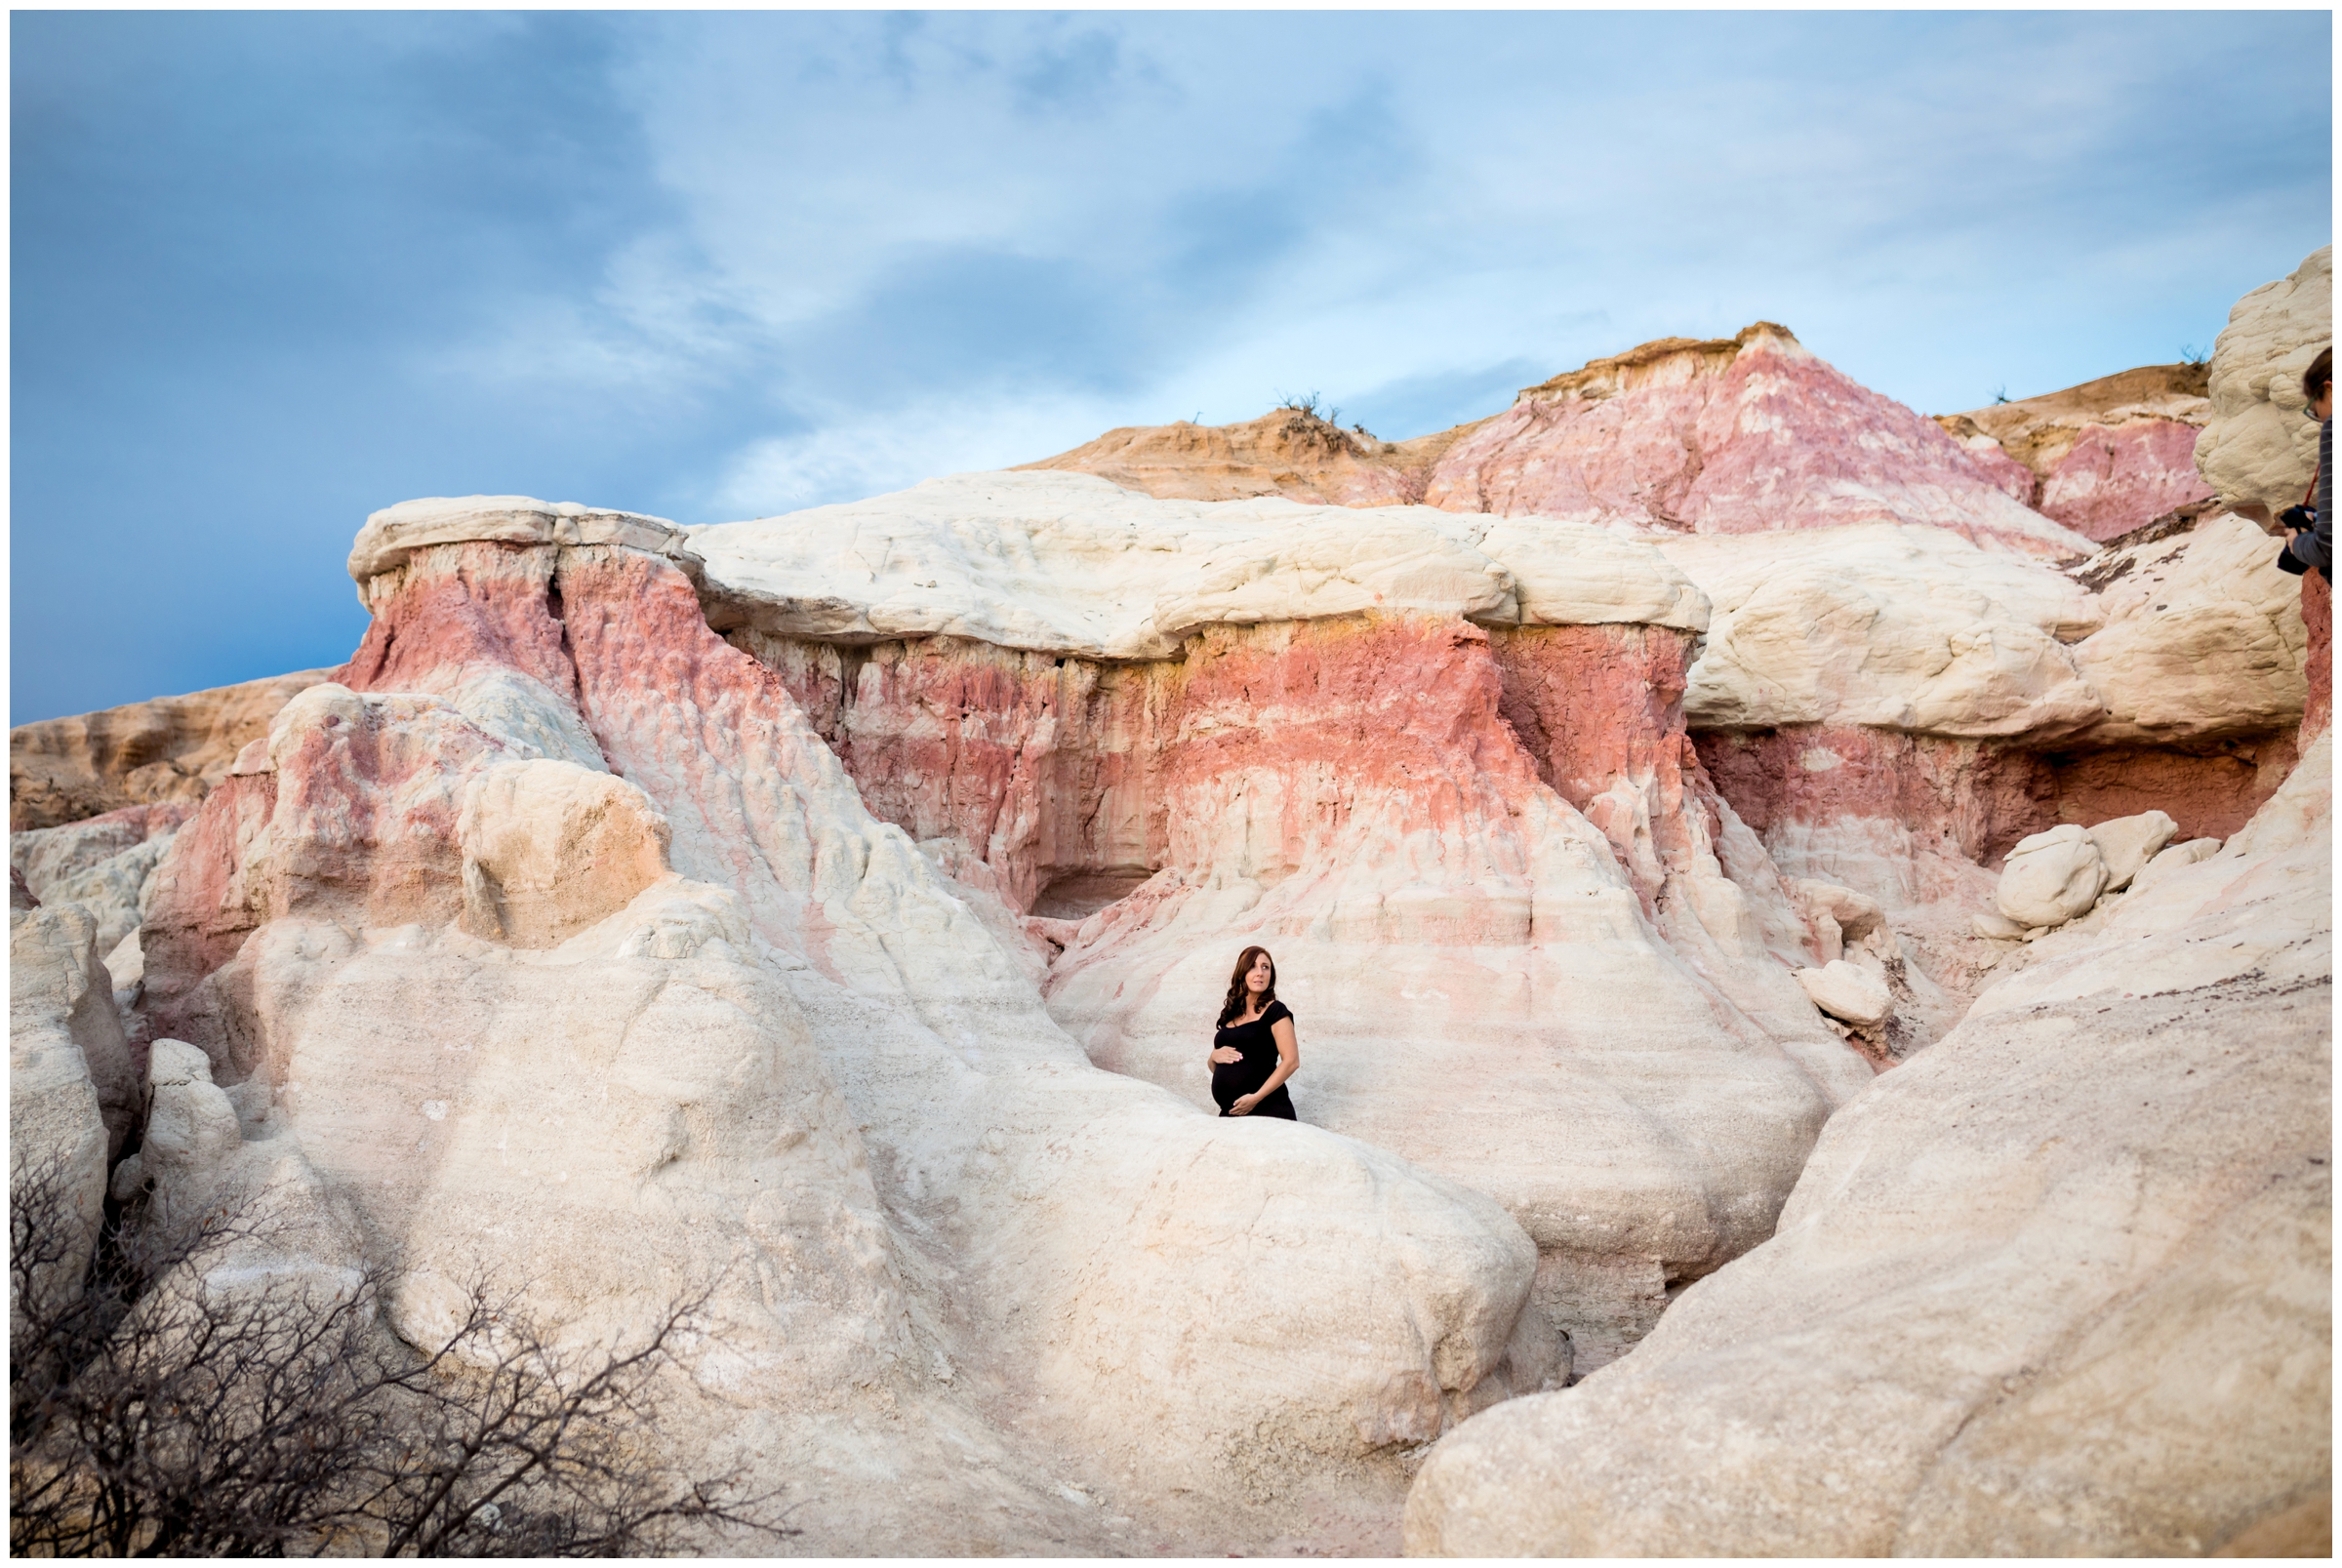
(2050, 878)
(1840, 915)
(2127, 843)
(1849, 993)
(1996, 927)
(1980, 1328)
(2259, 446)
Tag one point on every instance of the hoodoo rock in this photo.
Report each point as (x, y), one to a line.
(743, 1031)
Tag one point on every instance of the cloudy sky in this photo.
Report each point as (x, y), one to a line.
(274, 270)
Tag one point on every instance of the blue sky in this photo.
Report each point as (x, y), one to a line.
(271, 270)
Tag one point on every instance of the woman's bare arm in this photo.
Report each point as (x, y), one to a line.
(1288, 1056)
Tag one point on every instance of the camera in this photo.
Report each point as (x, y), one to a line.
(2299, 518)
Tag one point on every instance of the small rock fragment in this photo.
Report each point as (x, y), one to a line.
(1848, 991)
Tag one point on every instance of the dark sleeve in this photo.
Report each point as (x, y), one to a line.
(2325, 480)
(1276, 1010)
(2320, 550)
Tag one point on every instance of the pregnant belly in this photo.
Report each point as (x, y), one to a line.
(1233, 1081)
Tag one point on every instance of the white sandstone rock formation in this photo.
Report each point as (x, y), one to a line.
(567, 951)
(1065, 563)
(2061, 1286)
(2049, 879)
(1891, 710)
(2200, 637)
(103, 863)
(2259, 446)
(72, 1085)
(1900, 628)
(1434, 760)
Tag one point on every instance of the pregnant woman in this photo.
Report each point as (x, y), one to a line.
(1254, 1053)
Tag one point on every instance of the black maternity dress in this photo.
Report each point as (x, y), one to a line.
(1232, 1079)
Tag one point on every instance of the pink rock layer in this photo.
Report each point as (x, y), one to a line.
(1747, 436)
(1053, 771)
(1735, 435)
(2117, 480)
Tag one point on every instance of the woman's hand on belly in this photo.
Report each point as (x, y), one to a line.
(1225, 1056)
(1242, 1105)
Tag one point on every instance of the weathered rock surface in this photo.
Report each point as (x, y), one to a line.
(642, 907)
(1743, 434)
(2105, 458)
(172, 748)
(1891, 710)
(2061, 1286)
(72, 1083)
(1069, 564)
(2260, 445)
(1454, 817)
(103, 863)
(774, 1045)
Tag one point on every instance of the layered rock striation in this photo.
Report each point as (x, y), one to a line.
(567, 951)
(171, 750)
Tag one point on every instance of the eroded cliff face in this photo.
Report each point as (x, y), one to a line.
(566, 950)
(1369, 739)
(834, 907)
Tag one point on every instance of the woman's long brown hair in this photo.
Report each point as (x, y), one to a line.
(1238, 995)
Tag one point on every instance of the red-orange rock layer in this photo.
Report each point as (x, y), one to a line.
(453, 605)
(2318, 615)
(1977, 797)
